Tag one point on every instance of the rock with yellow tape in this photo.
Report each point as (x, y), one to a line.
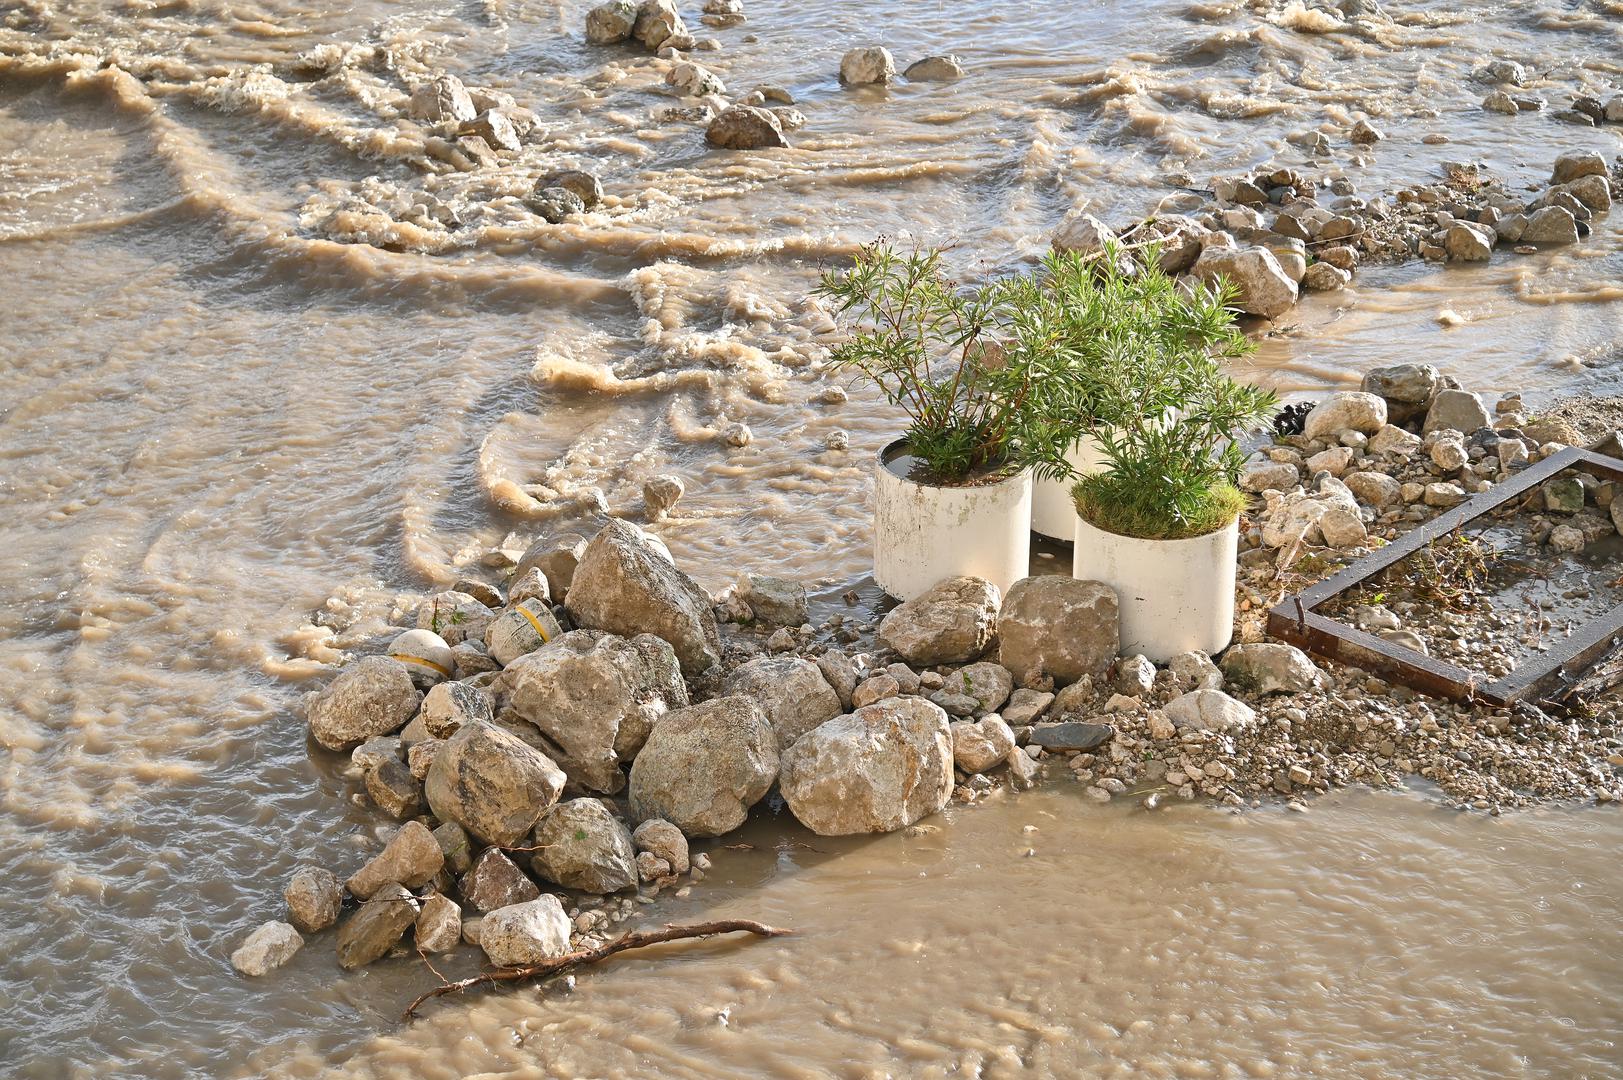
(426, 656)
(522, 628)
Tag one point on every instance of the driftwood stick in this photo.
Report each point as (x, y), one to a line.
(635, 939)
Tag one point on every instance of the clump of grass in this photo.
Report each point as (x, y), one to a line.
(1115, 503)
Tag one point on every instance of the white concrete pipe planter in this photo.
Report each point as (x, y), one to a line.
(924, 534)
(1175, 595)
(1053, 512)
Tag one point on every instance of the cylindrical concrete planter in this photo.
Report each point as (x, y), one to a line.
(1175, 595)
(924, 534)
(1053, 513)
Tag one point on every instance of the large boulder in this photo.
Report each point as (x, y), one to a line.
(525, 933)
(792, 692)
(411, 857)
(878, 769)
(952, 623)
(1270, 667)
(705, 766)
(596, 696)
(580, 845)
(745, 127)
(1263, 286)
(627, 586)
(376, 927)
(492, 784)
(1059, 626)
(369, 698)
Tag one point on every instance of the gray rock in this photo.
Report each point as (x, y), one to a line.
(583, 185)
(455, 845)
(1135, 675)
(394, 790)
(954, 704)
(987, 684)
(839, 673)
(777, 601)
(492, 784)
(495, 881)
(439, 925)
(1026, 706)
(1267, 667)
(1458, 409)
(745, 127)
(952, 623)
(374, 752)
(1500, 102)
(1082, 233)
(981, 745)
(705, 766)
(556, 557)
(695, 80)
(1060, 627)
(596, 697)
(1323, 277)
(935, 69)
(1194, 670)
(657, 22)
(266, 949)
(878, 769)
(554, 204)
(1569, 167)
(1209, 710)
(1564, 495)
(372, 697)
(611, 23)
(861, 67)
(664, 841)
(1349, 410)
(495, 128)
(1468, 242)
(580, 845)
(526, 933)
(1071, 735)
(1551, 225)
(376, 927)
(1264, 287)
(411, 858)
(1407, 389)
(1373, 489)
(314, 898)
(628, 587)
(1023, 770)
(442, 99)
(449, 707)
(791, 692)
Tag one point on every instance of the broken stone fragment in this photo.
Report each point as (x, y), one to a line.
(952, 623)
(1268, 667)
(981, 745)
(745, 127)
(665, 841)
(267, 948)
(439, 925)
(495, 882)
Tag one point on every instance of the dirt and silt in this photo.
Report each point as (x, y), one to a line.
(224, 405)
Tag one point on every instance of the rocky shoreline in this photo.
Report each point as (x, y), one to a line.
(553, 743)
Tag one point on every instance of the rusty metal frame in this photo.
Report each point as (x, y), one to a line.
(1295, 619)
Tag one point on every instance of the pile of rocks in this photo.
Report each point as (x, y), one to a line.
(1273, 238)
(1510, 78)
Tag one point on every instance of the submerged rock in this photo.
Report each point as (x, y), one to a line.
(554, 204)
(495, 128)
(745, 127)
(412, 857)
(492, 784)
(1060, 627)
(377, 926)
(266, 949)
(372, 697)
(935, 69)
(861, 67)
(440, 100)
(878, 769)
(525, 933)
(705, 766)
(580, 845)
(596, 696)
(953, 622)
(792, 693)
(626, 586)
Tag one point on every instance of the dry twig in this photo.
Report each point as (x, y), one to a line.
(636, 939)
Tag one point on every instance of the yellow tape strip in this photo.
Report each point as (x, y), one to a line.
(524, 611)
(406, 659)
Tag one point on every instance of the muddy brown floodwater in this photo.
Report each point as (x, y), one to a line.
(246, 379)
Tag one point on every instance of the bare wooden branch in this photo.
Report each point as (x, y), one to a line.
(635, 939)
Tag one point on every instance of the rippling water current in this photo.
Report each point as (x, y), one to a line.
(244, 379)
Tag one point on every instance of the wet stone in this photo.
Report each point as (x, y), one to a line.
(267, 948)
(439, 925)
(495, 882)
(313, 898)
(376, 927)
